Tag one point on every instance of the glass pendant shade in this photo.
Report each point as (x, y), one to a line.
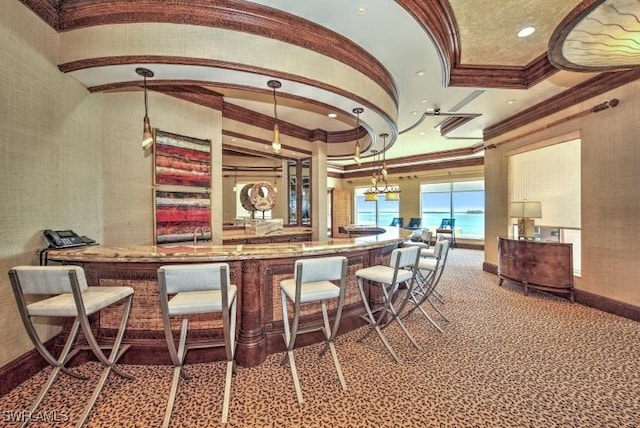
(370, 196)
(147, 136)
(276, 146)
(392, 195)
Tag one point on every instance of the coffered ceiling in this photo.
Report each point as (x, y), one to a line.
(402, 61)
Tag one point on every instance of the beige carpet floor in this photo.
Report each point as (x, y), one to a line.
(504, 360)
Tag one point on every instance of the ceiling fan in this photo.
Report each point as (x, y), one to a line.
(437, 112)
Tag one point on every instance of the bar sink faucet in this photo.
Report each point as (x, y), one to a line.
(195, 235)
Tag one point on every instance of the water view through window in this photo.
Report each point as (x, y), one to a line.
(379, 212)
(462, 201)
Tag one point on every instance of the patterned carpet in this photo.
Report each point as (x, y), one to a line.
(504, 360)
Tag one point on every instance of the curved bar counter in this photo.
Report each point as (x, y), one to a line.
(256, 269)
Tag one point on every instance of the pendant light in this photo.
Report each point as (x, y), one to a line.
(275, 184)
(356, 155)
(235, 179)
(274, 84)
(147, 136)
(383, 169)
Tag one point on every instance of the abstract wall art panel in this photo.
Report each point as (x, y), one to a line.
(180, 213)
(182, 161)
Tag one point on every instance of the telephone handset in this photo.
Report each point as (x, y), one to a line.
(66, 239)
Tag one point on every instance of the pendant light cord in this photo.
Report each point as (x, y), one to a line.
(275, 104)
(145, 96)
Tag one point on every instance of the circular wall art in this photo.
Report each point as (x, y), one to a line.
(245, 199)
(262, 196)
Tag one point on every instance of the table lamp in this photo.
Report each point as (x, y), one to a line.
(525, 212)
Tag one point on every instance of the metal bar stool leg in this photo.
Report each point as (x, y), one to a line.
(289, 340)
(375, 323)
(109, 363)
(329, 336)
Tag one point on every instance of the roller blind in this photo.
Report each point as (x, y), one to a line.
(550, 175)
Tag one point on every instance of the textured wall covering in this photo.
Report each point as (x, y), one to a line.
(609, 192)
(71, 159)
(50, 163)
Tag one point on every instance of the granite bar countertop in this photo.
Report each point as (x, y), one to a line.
(242, 233)
(204, 252)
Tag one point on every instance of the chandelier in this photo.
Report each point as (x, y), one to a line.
(379, 184)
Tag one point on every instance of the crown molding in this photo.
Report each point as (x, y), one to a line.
(595, 86)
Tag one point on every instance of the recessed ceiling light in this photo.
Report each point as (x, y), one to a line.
(332, 115)
(526, 32)
(414, 112)
(361, 10)
(511, 101)
(422, 133)
(420, 72)
(424, 100)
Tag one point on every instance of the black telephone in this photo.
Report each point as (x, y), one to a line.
(66, 239)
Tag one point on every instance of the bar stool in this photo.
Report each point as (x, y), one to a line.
(427, 278)
(424, 241)
(402, 269)
(68, 295)
(312, 283)
(198, 289)
(429, 254)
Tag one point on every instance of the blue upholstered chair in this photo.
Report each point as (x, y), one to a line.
(397, 221)
(414, 223)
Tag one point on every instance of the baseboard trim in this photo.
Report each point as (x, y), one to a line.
(591, 300)
(606, 304)
(23, 368)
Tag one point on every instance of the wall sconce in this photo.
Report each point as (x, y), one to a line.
(356, 155)
(525, 212)
(275, 145)
(147, 135)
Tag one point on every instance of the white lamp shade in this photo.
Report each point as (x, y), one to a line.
(526, 209)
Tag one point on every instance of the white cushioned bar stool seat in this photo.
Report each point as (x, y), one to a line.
(314, 281)
(202, 288)
(67, 294)
(402, 269)
(424, 241)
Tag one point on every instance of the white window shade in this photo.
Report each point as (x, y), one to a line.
(550, 175)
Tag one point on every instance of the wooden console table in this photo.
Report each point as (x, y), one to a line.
(546, 266)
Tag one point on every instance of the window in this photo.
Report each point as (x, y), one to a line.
(460, 200)
(379, 212)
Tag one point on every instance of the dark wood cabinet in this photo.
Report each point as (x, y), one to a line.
(541, 265)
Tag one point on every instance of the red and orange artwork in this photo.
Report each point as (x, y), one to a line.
(179, 214)
(183, 161)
